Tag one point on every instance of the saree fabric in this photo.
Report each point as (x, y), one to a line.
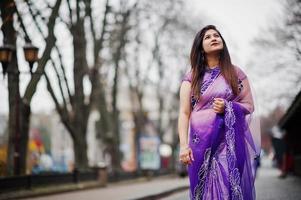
(223, 146)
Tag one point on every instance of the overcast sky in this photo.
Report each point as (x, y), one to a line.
(238, 20)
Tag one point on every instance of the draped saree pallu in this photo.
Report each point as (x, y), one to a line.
(223, 145)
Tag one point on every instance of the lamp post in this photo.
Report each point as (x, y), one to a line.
(5, 57)
(31, 56)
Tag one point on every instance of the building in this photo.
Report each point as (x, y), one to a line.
(290, 123)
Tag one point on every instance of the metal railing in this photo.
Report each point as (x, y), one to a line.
(46, 179)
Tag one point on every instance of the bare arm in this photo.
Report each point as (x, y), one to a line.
(183, 122)
(184, 113)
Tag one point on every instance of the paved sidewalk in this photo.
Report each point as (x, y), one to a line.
(139, 190)
(270, 187)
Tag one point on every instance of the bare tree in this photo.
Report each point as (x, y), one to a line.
(19, 107)
(75, 108)
(108, 42)
(165, 43)
(76, 113)
(118, 42)
(276, 57)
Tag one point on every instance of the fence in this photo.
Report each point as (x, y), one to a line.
(29, 181)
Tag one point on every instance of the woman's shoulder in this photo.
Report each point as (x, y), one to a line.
(240, 73)
(187, 76)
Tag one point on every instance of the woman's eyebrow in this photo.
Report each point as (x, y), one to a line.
(209, 34)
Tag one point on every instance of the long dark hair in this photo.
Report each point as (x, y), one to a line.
(199, 63)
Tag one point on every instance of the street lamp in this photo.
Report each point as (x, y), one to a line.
(6, 52)
(31, 54)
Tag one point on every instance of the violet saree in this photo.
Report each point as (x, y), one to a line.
(223, 146)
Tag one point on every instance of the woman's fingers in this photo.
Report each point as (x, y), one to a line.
(191, 155)
(186, 160)
(219, 102)
(217, 109)
(219, 99)
(218, 105)
(186, 156)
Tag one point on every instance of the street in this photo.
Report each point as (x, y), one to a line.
(135, 189)
(268, 187)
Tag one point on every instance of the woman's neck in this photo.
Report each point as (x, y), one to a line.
(212, 61)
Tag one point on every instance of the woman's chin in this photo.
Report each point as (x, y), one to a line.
(214, 51)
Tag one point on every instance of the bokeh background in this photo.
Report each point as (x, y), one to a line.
(103, 90)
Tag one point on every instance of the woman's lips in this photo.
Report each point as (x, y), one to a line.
(215, 43)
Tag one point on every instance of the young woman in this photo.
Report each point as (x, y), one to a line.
(215, 140)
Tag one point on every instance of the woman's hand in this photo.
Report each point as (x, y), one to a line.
(219, 105)
(186, 156)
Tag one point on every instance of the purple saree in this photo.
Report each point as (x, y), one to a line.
(223, 147)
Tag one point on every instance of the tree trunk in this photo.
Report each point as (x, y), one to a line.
(7, 13)
(116, 156)
(13, 121)
(80, 151)
(160, 120)
(24, 124)
(19, 109)
(104, 126)
(81, 111)
(115, 143)
(139, 124)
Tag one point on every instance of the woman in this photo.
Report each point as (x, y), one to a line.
(215, 105)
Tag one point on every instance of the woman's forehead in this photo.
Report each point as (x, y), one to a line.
(210, 32)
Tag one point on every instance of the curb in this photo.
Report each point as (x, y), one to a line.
(40, 192)
(52, 190)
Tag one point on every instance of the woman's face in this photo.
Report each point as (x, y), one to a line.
(212, 42)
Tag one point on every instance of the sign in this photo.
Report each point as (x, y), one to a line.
(149, 155)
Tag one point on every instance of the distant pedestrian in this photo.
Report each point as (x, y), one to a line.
(215, 140)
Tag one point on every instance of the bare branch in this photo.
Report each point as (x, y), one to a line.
(117, 56)
(99, 42)
(27, 39)
(38, 13)
(60, 83)
(89, 14)
(35, 15)
(50, 41)
(70, 12)
(98, 45)
(64, 115)
(31, 4)
(64, 75)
